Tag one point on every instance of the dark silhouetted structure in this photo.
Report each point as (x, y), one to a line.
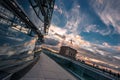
(68, 52)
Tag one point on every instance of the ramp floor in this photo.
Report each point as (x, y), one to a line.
(47, 69)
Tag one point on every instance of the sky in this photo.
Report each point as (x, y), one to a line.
(93, 25)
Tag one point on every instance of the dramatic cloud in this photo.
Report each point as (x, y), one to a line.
(75, 24)
(56, 29)
(94, 28)
(73, 19)
(97, 20)
(76, 41)
(50, 41)
(109, 12)
(68, 19)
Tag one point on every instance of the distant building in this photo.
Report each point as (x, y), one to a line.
(68, 52)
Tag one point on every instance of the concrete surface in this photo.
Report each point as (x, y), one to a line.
(47, 69)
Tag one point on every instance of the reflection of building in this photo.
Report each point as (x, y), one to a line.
(22, 23)
(68, 52)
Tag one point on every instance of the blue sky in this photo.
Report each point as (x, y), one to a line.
(91, 24)
(95, 21)
(92, 27)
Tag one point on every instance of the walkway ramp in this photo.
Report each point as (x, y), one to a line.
(47, 69)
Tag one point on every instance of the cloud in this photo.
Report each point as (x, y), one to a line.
(105, 44)
(73, 18)
(90, 28)
(108, 49)
(104, 49)
(61, 34)
(116, 48)
(74, 25)
(108, 11)
(95, 28)
(56, 29)
(52, 42)
(75, 22)
(78, 6)
(56, 8)
(102, 52)
(100, 1)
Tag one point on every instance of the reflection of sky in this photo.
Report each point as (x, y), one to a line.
(25, 5)
(96, 22)
(15, 48)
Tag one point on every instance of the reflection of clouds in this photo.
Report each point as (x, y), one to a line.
(27, 8)
(17, 39)
(16, 54)
(117, 57)
(35, 19)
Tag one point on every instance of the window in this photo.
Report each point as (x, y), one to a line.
(9, 21)
(36, 5)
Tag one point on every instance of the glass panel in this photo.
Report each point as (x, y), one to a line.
(5, 13)
(8, 22)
